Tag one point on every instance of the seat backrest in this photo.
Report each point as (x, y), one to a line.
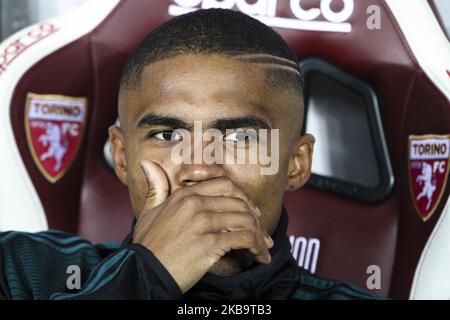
(78, 59)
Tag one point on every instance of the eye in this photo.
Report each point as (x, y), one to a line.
(167, 135)
(240, 136)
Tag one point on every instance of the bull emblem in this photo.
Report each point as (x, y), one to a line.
(425, 179)
(58, 144)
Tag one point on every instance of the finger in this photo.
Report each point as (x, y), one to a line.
(230, 221)
(157, 184)
(242, 239)
(222, 186)
(199, 203)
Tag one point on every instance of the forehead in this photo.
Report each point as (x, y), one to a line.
(201, 87)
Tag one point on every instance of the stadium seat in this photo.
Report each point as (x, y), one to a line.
(398, 74)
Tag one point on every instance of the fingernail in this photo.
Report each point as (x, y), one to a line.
(144, 170)
(258, 212)
(268, 240)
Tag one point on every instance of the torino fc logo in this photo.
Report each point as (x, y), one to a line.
(429, 161)
(304, 15)
(54, 126)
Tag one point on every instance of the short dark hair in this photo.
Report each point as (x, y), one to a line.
(214, 31)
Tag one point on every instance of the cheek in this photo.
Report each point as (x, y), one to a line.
(271, 199)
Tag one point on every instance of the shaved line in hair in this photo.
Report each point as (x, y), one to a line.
(267, 58)
(277, 66)
(281, 73)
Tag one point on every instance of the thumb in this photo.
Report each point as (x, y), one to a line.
(158, 186)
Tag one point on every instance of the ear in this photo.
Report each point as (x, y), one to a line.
(116, 142)
(299, 169)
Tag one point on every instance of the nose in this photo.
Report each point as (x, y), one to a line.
(191, 174)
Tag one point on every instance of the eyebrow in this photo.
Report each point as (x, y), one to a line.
(240, 122)
(151, 119)
(221, 124)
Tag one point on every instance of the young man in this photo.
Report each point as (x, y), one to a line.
(203, 230)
